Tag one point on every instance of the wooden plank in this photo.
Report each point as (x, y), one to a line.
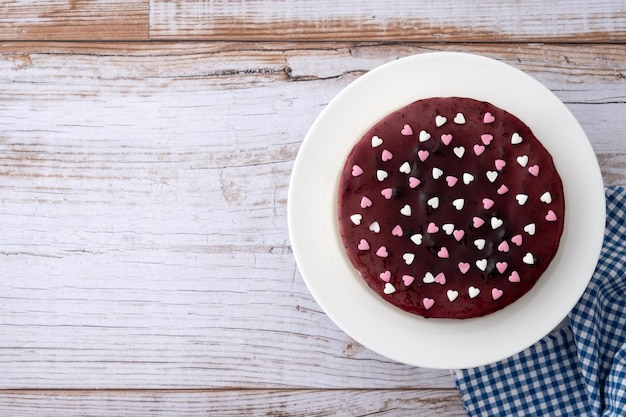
(74, 20)
(284, 403)
(449, 20)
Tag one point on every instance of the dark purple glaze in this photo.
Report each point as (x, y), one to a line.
(421, 115)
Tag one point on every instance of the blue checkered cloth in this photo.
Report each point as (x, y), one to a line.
(580, 368)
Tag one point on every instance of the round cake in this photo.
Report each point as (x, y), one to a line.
(450, 207)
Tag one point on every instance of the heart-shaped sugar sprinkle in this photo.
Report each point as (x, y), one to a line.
(467, 178)
(486, 138)
(517, 239)
(428, 278)
(405, 168)
(406, 210)
(356, 219)
(480, 244)
(452, 295)
(446, 138)
(389, 288)
(481, 264)
(381, 175)
(534, 170)
(407, 280)
(458, 234)
(528, 259)
(473, 292)
(428, 303)
(521, 199)
(356, 170)
(487, 203)
(530, 228)
(448, 228)
(408, 258)
(387, 192)
(451, 180)
(499, 164)
(522, 160)
(414, 182)
(489, 118)
(514, 277)
(501, 266)
(386, 156)
(365, 202)
(464, 267)
(459, 151)
(551, 216)
(516, 139)
(423, 155)
(385, 276)
(479, 149)
(437, 173)
(458, 203)
(417, 239)
(433, 202)
(363, 245)
(424, 136)
(406, 130)
(397, 231)
(376, 141)
(440, 278)
(496, 293)
(382, 252)
(375, 227)
(477, 222)
(503, 246)
(440, 121)
(502, 190)
(459, 119)
(492, 176)
(546, 197)
(495, 223)
(432, 228)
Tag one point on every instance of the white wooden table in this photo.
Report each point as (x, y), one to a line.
(145, 155)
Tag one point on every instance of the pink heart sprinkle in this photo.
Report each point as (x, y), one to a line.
(464, 267)
(504, 246)
(503, 189)
(423, 155)
(477, 222)
(382, 252)
(514, 277)
(517, 239)
(432, 228)
(397, 231)
(501, 266)
(408, 280)
(387, 192)
(428, 303)
(385, 276)
(386, 155)
(414, 182)
(500, 163)
(496, 293)
(489, 118)
(487, 203)
(534, 170)
(406, 130)
(451, 180)
(446, 139)
(551, 216)
(486, 138)
(458, 234)
(365, 202)
(443, 253)
(356, 170)
(363, 245)
(479, 149)
(440, 278)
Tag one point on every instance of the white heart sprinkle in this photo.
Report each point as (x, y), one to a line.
(408, 258)
(417, 239)
(437, 173)
(433, 202)
(424, 136)
(516, 139)
(452, 294)
(529, 259)
(459, 119)
(492, 176)
(458, 203)
(356, 219)
(376, 141)
(428, 278)
(546, 197)
(473, 292)
(530, 228)
(495, 223)
(405, 168)
(406, 210)
(467, 178)
(522, 160)
(480, 244)
(381, 175)
(375, 227)
(389, 288)
(521, 199)
(448, 228)
(481, 264)
(440, 121)
(459, 151)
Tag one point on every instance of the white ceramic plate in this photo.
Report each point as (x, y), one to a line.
(337, 286)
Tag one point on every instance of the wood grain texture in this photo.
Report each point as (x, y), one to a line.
(449, 20)
(74, 20)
